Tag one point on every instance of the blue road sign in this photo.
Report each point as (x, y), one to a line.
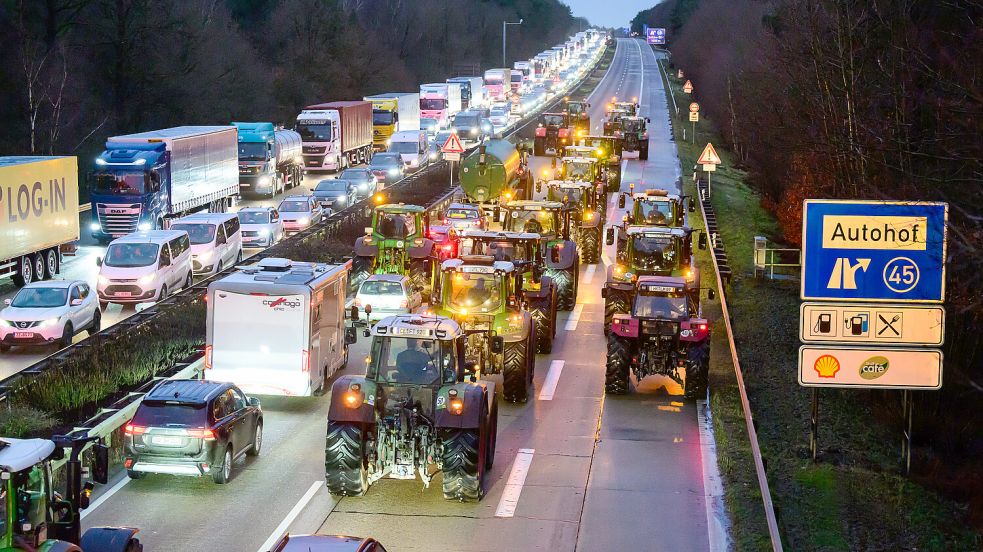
(655, 36)
(873, 250)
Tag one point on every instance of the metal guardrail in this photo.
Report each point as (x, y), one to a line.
(776, 538)
(767, 259)
(344, 219)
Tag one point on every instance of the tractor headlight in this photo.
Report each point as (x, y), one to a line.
(686, 333)
(455, 403)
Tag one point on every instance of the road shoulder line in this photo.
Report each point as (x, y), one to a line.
(713, 488)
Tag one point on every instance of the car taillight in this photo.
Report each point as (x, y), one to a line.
(208, 357)
(131, 429)
(305, 361)
(200, 433)
(403, 304)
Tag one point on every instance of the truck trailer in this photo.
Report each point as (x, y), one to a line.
(472, 91)
(336, 135)
(497, 83)
(143, 179)
(393, 112)
(278, 327)
(440, 101)
(38, 215)
(270, 159)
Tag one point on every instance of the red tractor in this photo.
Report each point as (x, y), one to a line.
(663, 334)
(552, 134)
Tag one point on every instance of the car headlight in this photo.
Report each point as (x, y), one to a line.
(103, 280)
(94, 226)
(5, 323)
(48, 322)
(393, 172)
(263, 231)
(304, 220)
(204, 257)
(414, 162)
(474, 130)
(363, 187)
(264, 180)
(143, 226)
(341, 199)
(433, 155)
(145, 281)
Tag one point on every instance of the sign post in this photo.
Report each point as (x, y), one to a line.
(452, 150)
(709, 159)
(694, 117)
(873, 276)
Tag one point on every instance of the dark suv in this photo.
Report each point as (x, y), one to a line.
(192, 427)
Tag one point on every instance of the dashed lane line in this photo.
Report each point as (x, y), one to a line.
(513, 485)
(552, 379)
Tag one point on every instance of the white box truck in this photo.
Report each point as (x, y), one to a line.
(278, 327)
(440, 101)
(39, 213)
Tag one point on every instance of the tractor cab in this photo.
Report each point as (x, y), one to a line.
(397, 242)
(612, 126)
(654, 207)
(549, 219)
(654, 250)
(552, 134)
(634, 134)
(607, 150)
(579, 117)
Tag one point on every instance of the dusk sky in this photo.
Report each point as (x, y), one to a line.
(609, 13)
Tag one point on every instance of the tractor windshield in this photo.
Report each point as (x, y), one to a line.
(577, 171)
(653, 253)
(657, 213)
(412, 361)
(473, 292)
(569, 196)
(575, 108)
(552, 120)
(631, 125)
(662, 306)
(395, 225)
(503, 250)
(537, 222)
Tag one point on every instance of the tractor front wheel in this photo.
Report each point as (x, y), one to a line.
(516, 370)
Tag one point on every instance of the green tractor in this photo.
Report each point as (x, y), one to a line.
(551, 220)
(634, 135)
(496, 172)
(397, 242)
(655, 207)
(647, 251)
(579, 116)
(482, 295)
(35, 516)
(418, 410)
(607, 150)
(584, 198)
(538, 291)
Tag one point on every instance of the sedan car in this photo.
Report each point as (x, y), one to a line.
(192, 427)
(261, 226)
(383, 295)
(335, 193)
(326, 543)
(461, 216)
(387, 167)
(499, 116)
(299, 212)
(51, 311)
(366, 183)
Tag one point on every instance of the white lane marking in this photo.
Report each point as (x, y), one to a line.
(104, 497)
(552, 378)
(589, 274)
(713, 488)
(513, 486)
(291, 516)
(574, 318)
(605, 259)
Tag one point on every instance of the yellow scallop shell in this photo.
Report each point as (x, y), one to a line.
(827, 366)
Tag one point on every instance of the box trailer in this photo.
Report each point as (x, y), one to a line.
(278, 327)
(336, 135)
(393, 112)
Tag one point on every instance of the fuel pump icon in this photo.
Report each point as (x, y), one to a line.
(857, 323)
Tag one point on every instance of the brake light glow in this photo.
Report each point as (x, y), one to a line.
(131, 429)
(305, 361)
(208, 356)
(703, 326)
(201, 433)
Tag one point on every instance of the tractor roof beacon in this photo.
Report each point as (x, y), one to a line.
(418, 409)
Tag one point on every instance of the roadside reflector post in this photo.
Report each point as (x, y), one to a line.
(814, 424)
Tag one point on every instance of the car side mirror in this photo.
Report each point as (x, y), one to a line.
(7, 302)
(350, 336)
(711, 295)
(609, 236)
(100, 463)
(98, 261)
(497, 344)
(368, 310)
(76, 302)
(220, 240)
(253, 401)
(163, 263)
(621, 201)
(703, 240)
(647, 120)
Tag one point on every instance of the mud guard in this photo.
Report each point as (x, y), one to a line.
(110, 539)
(363, 249)
(567, 255)
(522, 333)
(422, 251)
(365, 413)
(545, 289)
(473, 395)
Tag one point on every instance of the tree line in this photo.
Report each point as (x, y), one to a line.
(78, 71)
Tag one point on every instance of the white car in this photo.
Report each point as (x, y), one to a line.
(499, 116)
(216, 240)
(261, 226)
(49, 312)
(382, 295)
(299, 212)
(144, 267)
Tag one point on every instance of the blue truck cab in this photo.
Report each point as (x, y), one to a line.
(270, 158)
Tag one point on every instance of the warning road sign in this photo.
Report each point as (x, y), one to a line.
(709, 156)
(694, 107)
(688, 87)
(452, 145)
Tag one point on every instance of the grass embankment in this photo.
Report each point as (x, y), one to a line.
(854, 498)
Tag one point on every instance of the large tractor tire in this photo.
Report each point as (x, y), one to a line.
(543, 310)
(518, 366)
(614, 179)
(697, 370)
(590, 244)
(464, 458)
(345, 472)
(566, 286)
(616, 375)
(616, 302)
(643, 151)
(539, 147)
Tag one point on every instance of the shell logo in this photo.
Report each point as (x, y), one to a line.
(827, 366)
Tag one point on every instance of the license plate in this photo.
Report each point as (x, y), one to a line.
(166, 440)
(24, 335)
(124, 294)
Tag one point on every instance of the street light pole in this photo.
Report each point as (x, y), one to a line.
(505, 25)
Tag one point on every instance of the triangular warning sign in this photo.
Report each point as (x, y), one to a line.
(709, 156)
(452, 145)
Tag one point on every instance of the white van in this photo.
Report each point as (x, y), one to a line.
(413, 148)
(216, 240)
(278, 327)
(143, 267)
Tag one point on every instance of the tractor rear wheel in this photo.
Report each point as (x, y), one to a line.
(616, 302)
(616, 375)
(345, 472)
(544, 312)
(697, 370)
(464, 460)
(516, 372)
(566, 287)
(539, 147)
(590, 244)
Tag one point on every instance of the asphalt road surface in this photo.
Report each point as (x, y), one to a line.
(574, 470)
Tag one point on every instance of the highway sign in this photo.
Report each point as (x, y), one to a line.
(688, 87)
(709, 156)
(880, 251)
(655, 36)
(876, 324)
(452, 145)
(694, 117)
(694, 107)
(869, 367)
